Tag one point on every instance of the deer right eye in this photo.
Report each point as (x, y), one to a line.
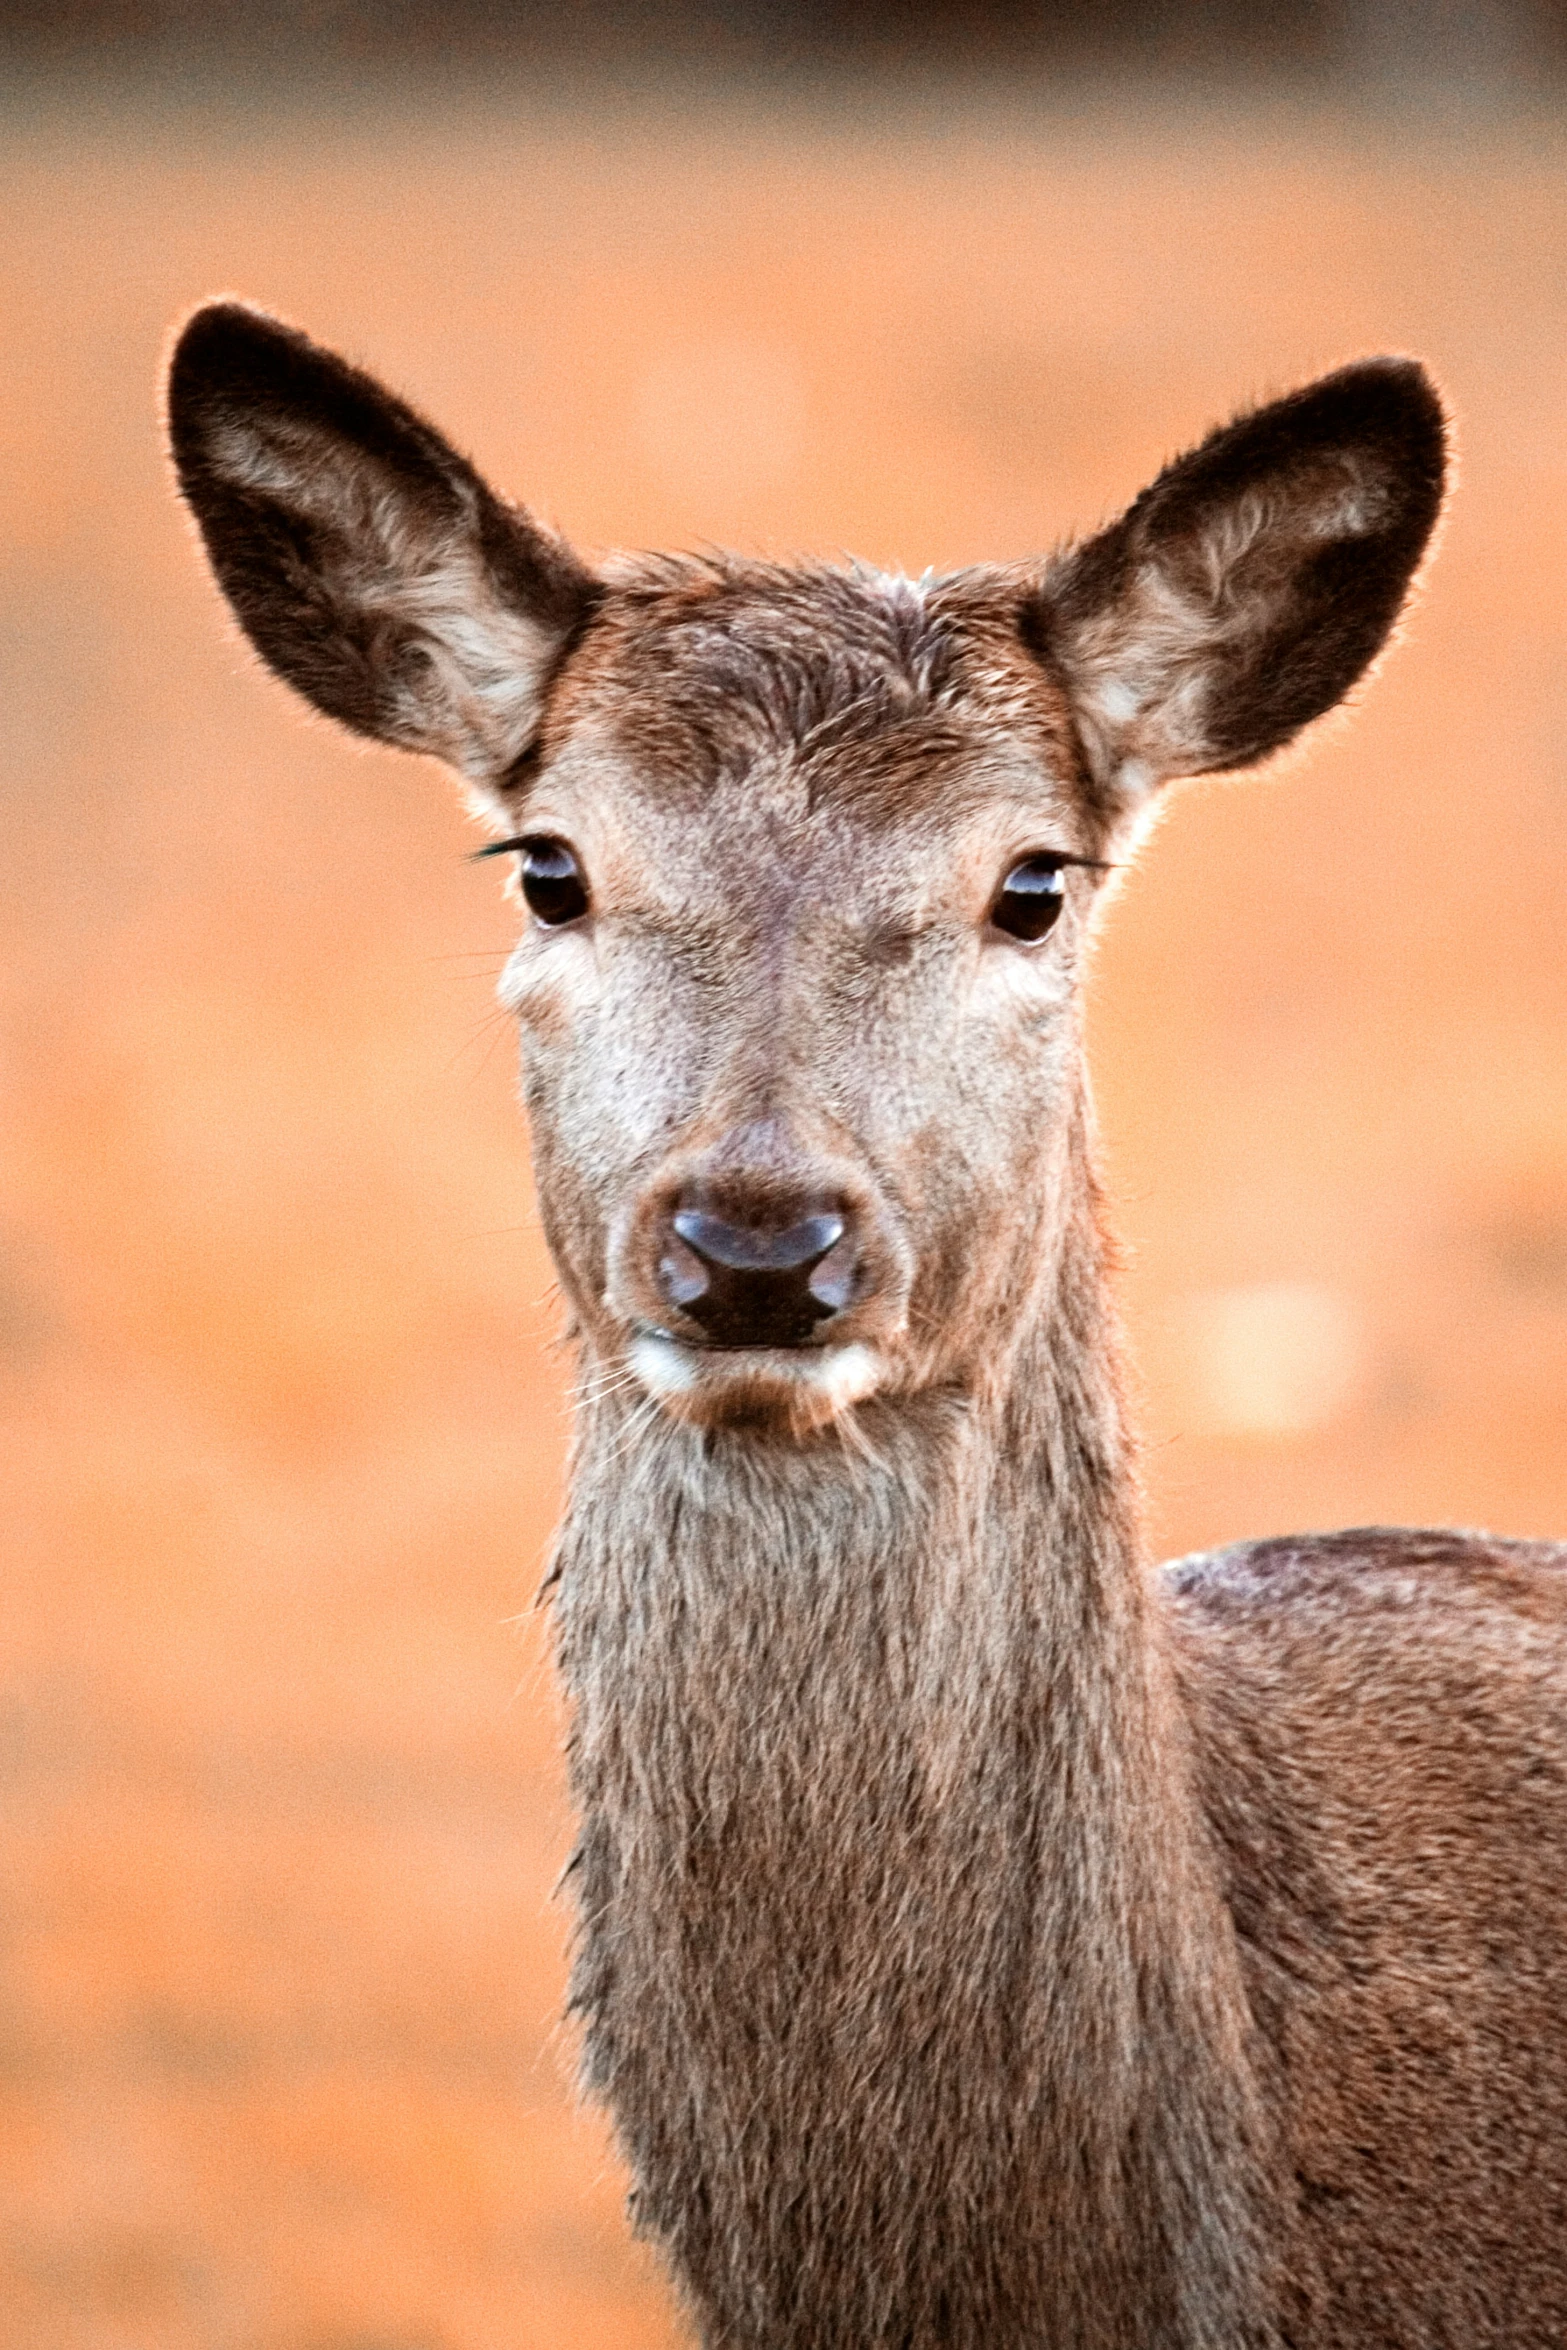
(1031, 898)
(552, 881)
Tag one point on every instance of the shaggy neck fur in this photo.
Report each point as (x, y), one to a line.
(903, 1963)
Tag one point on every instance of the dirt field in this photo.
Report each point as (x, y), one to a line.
(279, 1963)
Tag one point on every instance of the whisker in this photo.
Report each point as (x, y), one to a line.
(633, 1429)
(618, 1381)
(488, 1034)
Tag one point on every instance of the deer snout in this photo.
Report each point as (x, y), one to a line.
(771, 1281)
(759, 1270)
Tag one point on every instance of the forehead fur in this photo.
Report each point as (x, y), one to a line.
(876, 688)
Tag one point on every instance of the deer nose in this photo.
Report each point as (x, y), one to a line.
(759, 1284)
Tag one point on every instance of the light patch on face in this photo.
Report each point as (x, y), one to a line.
(827, 1380)
(548, 973)
(848, 1374)
(1034, 981)
(663, 1365)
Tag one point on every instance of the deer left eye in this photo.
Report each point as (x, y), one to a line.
(552, 881)
(1031, 899)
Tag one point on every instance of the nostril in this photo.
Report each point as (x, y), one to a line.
(753, 1248)
(758, 1284)
(682, 1273)
(832, 1277)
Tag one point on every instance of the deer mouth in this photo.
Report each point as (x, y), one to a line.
(807, 1385)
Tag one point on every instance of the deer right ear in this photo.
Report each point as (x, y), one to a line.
(367, 562)
(1251, 585)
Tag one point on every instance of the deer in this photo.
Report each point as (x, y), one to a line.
(985, 1938)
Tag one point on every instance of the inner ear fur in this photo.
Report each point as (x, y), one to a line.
(366, 560)
(1251, 584)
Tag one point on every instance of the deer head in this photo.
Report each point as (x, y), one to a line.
(810, 855)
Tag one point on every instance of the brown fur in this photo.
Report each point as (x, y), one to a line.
(984, 1943)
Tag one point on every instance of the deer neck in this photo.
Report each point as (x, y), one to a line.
(902, 1959)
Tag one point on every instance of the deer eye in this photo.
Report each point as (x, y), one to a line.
(552, 880)
(1031, 899)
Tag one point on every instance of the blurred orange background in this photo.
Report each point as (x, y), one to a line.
(280, 1966)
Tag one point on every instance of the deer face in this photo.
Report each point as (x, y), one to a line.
(808, 856)
(799, 1064)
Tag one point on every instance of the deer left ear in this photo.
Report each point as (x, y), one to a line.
(1251, 584)
(366, 560)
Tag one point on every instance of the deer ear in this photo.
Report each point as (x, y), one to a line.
(365, 559)
(1251, 584)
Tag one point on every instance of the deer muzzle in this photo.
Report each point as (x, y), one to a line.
(760, 1284)
(759, 1261)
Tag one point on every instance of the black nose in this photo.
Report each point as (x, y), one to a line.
(759, 1284)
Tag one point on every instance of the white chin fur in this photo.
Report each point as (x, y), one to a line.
(831, 1376)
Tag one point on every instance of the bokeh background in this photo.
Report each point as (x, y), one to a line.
(280, 1967)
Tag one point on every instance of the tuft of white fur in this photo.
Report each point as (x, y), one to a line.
(847, 1375)
(662, 1364)
(838, 1376)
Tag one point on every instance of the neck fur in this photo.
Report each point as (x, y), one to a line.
(902, 1960)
